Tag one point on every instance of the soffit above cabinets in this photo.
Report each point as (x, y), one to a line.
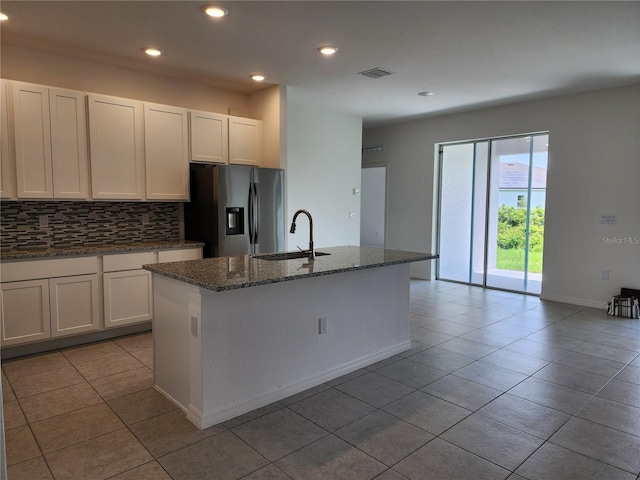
(470, 54)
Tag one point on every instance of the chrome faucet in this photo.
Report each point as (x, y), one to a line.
(293, 229)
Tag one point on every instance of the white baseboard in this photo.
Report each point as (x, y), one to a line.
(204, 421)
(582, 302)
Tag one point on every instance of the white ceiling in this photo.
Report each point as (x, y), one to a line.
(471, 54)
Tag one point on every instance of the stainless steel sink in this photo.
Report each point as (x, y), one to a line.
(287, 255)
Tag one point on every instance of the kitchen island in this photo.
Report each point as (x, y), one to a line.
(232, 334)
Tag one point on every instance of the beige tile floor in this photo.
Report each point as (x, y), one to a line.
(497, 385)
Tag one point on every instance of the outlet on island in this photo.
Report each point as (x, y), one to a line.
(322, 325)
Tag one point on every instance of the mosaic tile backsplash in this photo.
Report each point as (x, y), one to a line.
(78, 224)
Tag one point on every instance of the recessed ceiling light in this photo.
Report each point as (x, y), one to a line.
(426, 94)
(257, 77)
(3, 17)
(327, 50)
(153, 52)
(215, 11)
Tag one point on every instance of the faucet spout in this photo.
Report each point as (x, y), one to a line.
(293, 228)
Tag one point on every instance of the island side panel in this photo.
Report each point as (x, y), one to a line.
(262, 344)
(176, 344)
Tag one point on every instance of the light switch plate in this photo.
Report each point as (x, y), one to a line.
(609, 219)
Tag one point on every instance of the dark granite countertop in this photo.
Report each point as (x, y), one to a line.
(230, 273)
(43, 253)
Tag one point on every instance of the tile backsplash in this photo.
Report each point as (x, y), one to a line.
(77, 224)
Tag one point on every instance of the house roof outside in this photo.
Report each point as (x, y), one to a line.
(515, 176)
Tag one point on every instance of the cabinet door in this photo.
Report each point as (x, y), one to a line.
(179, 255)
(32, 141)
(127, 297)
(7, 153)
(24, 308)
(116, 147)
(75, 305)
(69, 144)
(245, 141)
(209, 137)
(166, 153)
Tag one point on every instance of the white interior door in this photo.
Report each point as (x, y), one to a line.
(372, 206)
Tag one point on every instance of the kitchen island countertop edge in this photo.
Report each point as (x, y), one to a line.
(230, 273)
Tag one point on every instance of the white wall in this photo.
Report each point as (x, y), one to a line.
(594, 169)
(266, 106)
(323, 162)
(78, 74)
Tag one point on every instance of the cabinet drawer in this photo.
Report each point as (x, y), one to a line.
(127, 261)
(179, 255)
(55, 267)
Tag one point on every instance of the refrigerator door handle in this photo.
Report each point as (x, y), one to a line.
(251, 213)
(256, 213)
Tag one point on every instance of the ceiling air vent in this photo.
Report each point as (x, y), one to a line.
(375, 73)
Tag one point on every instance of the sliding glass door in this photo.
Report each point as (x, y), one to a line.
(491, 220)
(463, 212)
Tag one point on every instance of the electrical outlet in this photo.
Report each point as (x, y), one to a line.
(322, 325)
(608, 219)
(145, 219)
(605, 275)
(43, 221)
(194, 325)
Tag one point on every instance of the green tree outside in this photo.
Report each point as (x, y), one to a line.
(512, 238)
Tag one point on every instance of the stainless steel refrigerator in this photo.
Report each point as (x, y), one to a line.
(236, 209)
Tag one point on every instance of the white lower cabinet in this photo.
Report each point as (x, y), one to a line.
(34, 310)
(179, 255)
(24, 307)
(65, 302)
(127, 297)
(76, 294)
(75, 304)
(127, 288)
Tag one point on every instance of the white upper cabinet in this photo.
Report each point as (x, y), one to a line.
(32, 141)
(62, 144)
(50, 142)
(116, 130)
(245, 141)
(166, 152)
(7, 153)
(69, 144)
(209, 137)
